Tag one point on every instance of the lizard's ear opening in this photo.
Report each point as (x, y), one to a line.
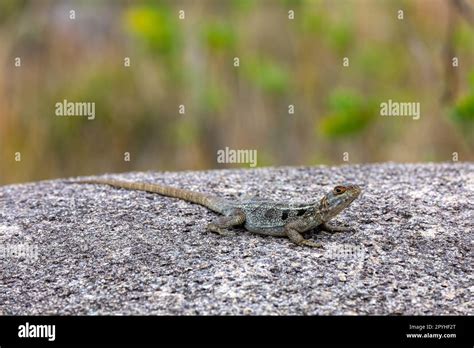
(339, 190)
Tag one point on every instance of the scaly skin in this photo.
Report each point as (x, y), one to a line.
(258, 216)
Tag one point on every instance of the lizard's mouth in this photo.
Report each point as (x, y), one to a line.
(336, 204)
(355, 189)
(353, 193)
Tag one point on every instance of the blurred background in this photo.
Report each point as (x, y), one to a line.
(282, 61)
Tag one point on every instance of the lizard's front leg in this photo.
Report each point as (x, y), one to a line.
(293, 231)
(223, 223)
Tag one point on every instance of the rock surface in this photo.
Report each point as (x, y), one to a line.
(90, 249)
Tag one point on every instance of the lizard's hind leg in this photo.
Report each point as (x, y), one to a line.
(222, 224)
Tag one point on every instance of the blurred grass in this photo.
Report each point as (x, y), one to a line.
(191, 62)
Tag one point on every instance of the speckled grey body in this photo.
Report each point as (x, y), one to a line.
(269, 218)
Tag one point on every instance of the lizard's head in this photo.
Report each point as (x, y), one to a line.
(337, 200)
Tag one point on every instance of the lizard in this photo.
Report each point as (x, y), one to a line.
(257, 215)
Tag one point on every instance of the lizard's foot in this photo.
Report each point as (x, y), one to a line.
(333, 229)
(223, 232)
(298, 239)
(310, 243)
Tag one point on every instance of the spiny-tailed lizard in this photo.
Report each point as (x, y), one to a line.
(258, 216)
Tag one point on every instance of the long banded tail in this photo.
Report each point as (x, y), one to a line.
(203, 199)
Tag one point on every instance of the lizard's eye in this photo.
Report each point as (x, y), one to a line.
(339, 189)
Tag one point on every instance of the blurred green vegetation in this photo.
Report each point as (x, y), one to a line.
(267, 75)
(283, 63)
(155, 25)
(219, 36)
(349, 114)
(463, 112)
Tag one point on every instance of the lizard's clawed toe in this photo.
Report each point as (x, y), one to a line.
(311, 244)
(213, 228)
(334, 229)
